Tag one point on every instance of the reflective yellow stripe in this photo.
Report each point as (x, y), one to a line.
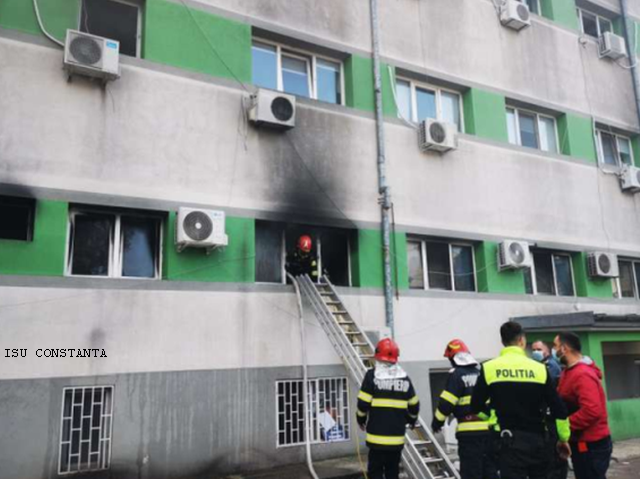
(413, 416)
(473, 426)
(414, 400)
(364, 396)
(394, 403)
(439, 416)
(447, 396)
(385, 440)
(464, 401)
(360, 413)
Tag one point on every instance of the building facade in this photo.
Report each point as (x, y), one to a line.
(122, 356)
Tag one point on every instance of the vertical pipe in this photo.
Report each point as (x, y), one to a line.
(630, 27)
(383, 188)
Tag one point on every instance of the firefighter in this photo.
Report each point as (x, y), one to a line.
(387, 402)
(520, 390)
(303, 260)
(474, 433)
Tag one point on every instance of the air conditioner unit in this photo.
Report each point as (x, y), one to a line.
(630, 179)
(437, 136)
(514, 255)
(612, 46)
(90, 55)
(602, 265)
(515, 14)
(273, 109)
(197, 228)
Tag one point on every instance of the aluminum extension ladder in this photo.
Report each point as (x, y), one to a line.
(423, 457)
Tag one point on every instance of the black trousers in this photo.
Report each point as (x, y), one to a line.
(524, 455)
(477, 456)
(384, 463)
(594, 462)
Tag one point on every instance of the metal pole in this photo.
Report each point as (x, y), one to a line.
(630, 27)
(383, 188)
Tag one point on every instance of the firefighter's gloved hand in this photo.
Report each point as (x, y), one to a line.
(436, 426)
(363, 427)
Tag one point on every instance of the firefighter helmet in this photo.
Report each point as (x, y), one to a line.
(304, 243)
(387, 350)
(454, 347)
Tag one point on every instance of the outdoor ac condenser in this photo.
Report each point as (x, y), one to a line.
(91, 55)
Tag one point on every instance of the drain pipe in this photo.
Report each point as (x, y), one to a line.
(383, 188)
(629, 27)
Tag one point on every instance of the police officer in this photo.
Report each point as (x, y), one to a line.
(473, 432)
(387, 402)
(303, 260)
(520, 391)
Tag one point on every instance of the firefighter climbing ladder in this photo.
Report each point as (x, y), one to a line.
(423, 458)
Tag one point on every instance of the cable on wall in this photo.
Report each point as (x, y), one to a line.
(41, 25)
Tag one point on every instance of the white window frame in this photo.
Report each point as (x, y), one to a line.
(105, 462)
(115, 244)
(537, 115)
(636, 280)
(131, 3)
(415, 85)
(312, 73)
(425, 264)
(313, 406)
(617, 137)
(534, 282)
(599, 18)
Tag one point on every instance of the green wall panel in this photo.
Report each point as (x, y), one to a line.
(635, 144)
(561, 11)
(234, 263)
(44, 256)
(57, 16)
(489, 279)
(576, 137)
(174, 36)
(586, 286)
(485, 114)
(367, 262)
(358, 78)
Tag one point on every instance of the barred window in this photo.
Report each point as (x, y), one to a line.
(85, 431)
(328, 411)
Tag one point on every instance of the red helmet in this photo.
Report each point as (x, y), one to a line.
(454, 347)
(305, 243)
(387, 350)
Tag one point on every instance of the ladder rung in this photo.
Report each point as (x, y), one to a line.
(325, 293)
(420, 442)
(333, 302)
(366, 356)
(359, 344)
(340, 312)
(345, 322)
(432, 460)
(352, 332)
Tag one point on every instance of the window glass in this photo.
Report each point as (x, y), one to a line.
(605, 25)
(463, 268)
(268, 252)
(627, 286)
(416, 272)
(438, 266)
(295, 76)
(403, 97)
(589, 24)
(91, 237)
(544, 273)
(609, 148)
(528, 284)
(511, 126)
(636, 267)
(528, 133)
(264, 65)
(450, 103)
(533, 6)
(328, 81)
(140, 246)
(624, 149)
(17, 216)
(564, 278)
(426, 101)
(548, 134)
(114, 20)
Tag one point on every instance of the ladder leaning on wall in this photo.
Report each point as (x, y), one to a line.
(422, 457)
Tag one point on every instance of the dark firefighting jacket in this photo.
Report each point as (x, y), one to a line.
(386, 406)
(299, 264)
(456, 400)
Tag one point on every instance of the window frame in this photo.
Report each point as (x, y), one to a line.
(617, 289)
(413, 100)
(536, 2)
(537, 115)
(425, 272)
(534, 282)
(115, 244)
(131, 3)
(312, 72)
(617, 137)
(599, 18)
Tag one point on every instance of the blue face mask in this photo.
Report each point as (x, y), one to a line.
(537, 355)
(554, 353)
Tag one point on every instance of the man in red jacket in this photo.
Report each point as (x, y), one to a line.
(580, 387)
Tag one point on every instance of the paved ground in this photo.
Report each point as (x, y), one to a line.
(625, 469)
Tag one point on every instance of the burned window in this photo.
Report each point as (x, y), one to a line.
(17, 218)
(117, 20)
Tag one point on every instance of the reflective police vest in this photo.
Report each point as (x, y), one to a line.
(386, 406)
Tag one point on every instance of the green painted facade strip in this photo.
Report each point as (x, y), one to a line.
(561, 11)
(359, 90)
(576, 137)
(485, 115)
(44, 255)
(490, 280)
(635, 145)
(175, 35)
(57, 16)
(586, 286)
(367, 269)
(234, 263)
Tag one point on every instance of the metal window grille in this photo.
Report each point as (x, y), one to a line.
(328, 411)
(85, 429)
